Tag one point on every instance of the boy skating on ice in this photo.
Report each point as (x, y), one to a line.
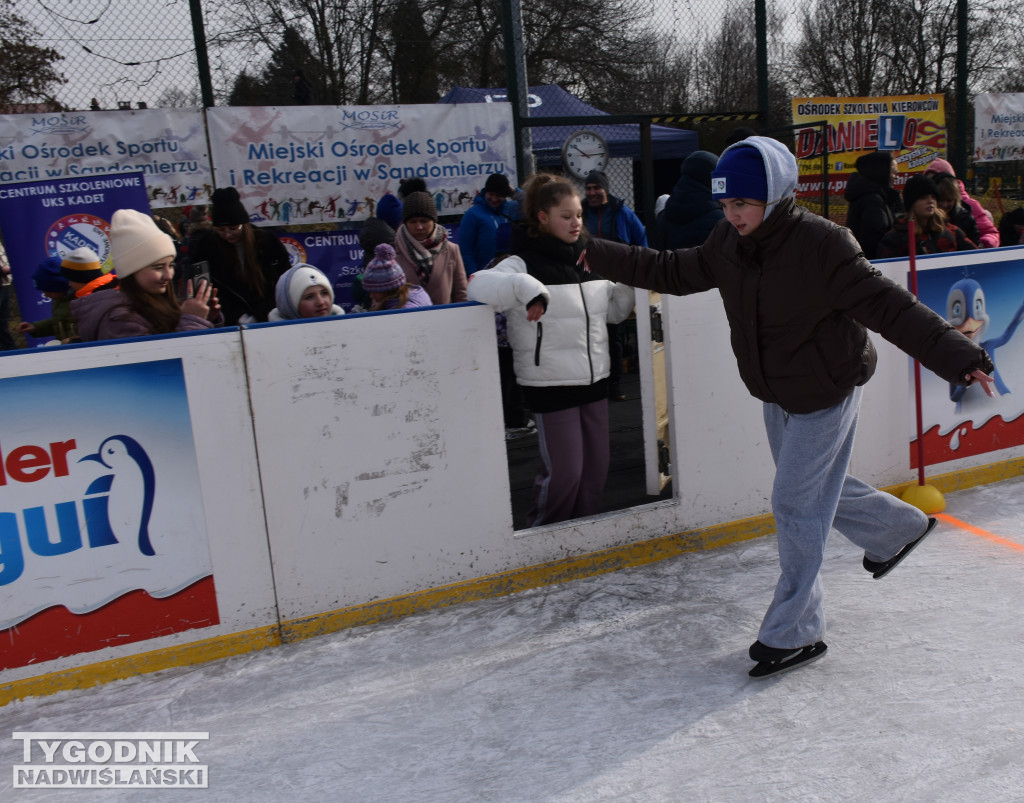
(799, 296)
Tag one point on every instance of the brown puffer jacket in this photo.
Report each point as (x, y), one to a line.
(798, 294)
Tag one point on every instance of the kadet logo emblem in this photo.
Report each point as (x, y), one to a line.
(81, 230)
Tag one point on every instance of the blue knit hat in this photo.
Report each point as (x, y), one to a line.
(47, 277)
(383, 274)
(740, 174)
(389, 209)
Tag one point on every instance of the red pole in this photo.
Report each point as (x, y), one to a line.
(917, 366)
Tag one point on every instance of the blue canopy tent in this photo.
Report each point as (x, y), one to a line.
(551, 100)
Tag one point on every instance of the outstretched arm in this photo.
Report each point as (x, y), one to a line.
(676, 272)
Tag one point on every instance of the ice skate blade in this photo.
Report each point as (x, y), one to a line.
(802, 657)
(880, 569)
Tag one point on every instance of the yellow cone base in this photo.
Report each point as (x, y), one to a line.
(926, 498)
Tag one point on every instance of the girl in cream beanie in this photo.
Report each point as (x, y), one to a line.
(135, 242)
(143, 300)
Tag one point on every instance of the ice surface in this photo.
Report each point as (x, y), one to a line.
(625, 687)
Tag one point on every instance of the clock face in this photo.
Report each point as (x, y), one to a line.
(584, 151)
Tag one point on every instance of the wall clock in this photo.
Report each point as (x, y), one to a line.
(584, 151)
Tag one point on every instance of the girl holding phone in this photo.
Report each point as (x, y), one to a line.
(142, 300)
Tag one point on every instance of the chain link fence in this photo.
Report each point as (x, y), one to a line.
(690, 64)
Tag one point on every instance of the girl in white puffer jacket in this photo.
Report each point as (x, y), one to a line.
(557, 314)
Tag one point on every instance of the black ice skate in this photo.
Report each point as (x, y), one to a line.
(773, 660)
(880, 569)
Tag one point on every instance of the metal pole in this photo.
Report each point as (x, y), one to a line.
(761, 34)
(202, 58)
(647, 173)
(515, 81)
(960, 143)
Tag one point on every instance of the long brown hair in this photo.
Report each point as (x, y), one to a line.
(933, 224)
(160, 311)
(544, 191)
(249, 270)
(400, 294)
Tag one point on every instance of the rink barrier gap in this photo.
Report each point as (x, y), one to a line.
(496, 585)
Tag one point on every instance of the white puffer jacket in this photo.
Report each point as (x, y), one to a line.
(569, 344)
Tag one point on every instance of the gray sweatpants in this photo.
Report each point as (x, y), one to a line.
(811, 494)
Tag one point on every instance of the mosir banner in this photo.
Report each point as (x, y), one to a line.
(998, 127)
(168, 146)
(314, 164)
(102, 534)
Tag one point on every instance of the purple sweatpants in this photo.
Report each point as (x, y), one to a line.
(574, 455)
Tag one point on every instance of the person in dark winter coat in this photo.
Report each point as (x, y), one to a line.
(874, 204)
(690, 211)
(1011, 227)
(375, 231)
(245, 261)
(932, 233)
(799, 297)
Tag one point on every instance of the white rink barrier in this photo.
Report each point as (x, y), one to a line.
(311, 475)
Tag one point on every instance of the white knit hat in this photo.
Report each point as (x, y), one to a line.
(136, 242)
(293, 283)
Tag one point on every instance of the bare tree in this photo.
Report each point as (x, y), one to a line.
(887, 47)
(177, 98)
(381, 51)
(725, 73)
(27, 72)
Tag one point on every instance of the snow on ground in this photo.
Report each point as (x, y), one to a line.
(630, 686)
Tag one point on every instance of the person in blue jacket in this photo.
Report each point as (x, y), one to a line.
(606, 216)
(492, 209)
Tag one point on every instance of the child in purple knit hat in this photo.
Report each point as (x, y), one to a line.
(385, 281)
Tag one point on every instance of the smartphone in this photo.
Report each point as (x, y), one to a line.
(200, 273)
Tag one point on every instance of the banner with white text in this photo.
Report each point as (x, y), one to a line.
(319, 164)
(338, 255)
(43, 219)
(168, 146)
(999, 127)
(912, 127)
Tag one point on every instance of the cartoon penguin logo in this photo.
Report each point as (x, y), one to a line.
(967, 312)
(132, 485)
